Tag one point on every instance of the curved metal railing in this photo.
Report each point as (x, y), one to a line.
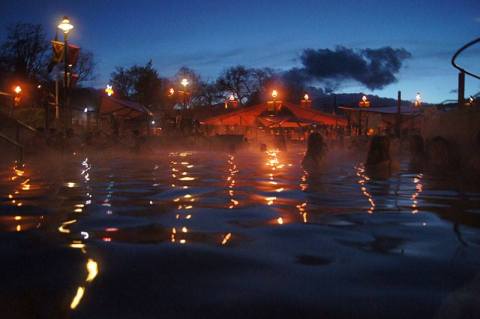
(455, 65)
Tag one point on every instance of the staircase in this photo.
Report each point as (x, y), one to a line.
(12, 135)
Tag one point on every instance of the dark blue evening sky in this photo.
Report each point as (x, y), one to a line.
(210, 35)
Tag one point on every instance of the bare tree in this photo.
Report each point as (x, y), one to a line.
(85, 66)
(209, 94)
(243, 83)
(24, 50)
(141, 84)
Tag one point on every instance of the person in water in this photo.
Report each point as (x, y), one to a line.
(379, 161)
(316, 149)
(417, 150)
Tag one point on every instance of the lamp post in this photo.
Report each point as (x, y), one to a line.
(364, 103)
(15, 97)
(109, 90)
(274, 94)
(184, 82)
(418, 100)
(65, 26)
(274, 100)
(306, 102)
(231, 102)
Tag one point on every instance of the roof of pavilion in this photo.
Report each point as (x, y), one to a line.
(126, 109)
(404, 109)
(300, 116)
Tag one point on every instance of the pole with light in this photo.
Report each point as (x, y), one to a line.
(184, 83)
(418, 100)
(65, 26)
(364, 103)
(274, 99)
(306, 102)
(109, 90)
(17, 90)
(231, 102)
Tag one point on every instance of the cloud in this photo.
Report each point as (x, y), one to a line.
(374, 68)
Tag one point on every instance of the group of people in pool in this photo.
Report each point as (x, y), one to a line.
(438, 155)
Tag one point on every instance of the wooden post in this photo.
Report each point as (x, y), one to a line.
(17, 133)
(399, 115)
(461, 89)
(359, 131)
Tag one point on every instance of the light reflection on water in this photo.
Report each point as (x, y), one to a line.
(186, 184)
(182, 199)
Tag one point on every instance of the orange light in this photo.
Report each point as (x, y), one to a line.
(364, 102)
(418, 99)
(305, 97)
(171, 91)
(17, 89)
(109, 90)
(274, 93)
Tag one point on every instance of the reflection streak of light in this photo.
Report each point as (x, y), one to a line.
(78, 297)
(91, 265)
(417, 180)
(183, 203)
(226, 238)
(302, 211)
(232, 171)
(19, 173)
(275, 165)
(92, 268)
(363, 179)
(62, 228)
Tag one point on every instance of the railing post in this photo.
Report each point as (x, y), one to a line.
(21, 155)
(398, 125)
(17, 133)
(461, 89)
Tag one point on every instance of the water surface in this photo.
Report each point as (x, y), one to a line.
(247, 235)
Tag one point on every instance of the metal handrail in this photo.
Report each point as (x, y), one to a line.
(11, 141)
(469, 44)
(18, 122)
(14, 143)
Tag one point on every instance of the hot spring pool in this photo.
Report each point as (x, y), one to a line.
(246, 235)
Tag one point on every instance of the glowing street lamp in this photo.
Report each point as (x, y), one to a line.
(109, 90)
(184, 82)
(364, 102)
(471, 101)
(306, 102)
(171, 92)
(274, 105)
(15, 97)
(231, 101)
(418, 100)
(65, 26)
(17, 90)
(274, 94)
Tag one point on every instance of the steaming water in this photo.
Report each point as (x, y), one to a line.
(251, 234)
